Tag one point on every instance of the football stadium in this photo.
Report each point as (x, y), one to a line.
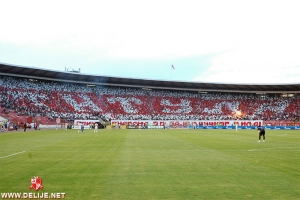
(68, 135)
(150, 100)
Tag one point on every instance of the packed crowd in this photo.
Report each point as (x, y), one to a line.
(74, 101)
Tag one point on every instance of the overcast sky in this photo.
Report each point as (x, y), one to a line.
(225, 41)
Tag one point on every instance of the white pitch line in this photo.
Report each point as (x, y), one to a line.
(12, 154)
(278, 148)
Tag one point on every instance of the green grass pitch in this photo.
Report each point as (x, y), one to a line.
(153, 164)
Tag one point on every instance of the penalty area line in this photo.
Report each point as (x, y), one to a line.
(12, 154)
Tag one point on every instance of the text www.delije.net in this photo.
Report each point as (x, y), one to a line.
(25, 195)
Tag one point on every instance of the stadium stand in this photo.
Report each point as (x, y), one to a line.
(46, 101)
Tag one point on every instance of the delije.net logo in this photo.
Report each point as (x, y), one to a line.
(36, 184)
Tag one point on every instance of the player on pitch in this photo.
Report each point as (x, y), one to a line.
(96, 128)
(261, 132)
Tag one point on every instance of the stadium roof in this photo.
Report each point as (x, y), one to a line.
(71, 77)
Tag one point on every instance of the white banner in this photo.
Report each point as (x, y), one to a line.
(86, 123)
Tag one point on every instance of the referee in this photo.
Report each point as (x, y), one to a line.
(261, 132)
